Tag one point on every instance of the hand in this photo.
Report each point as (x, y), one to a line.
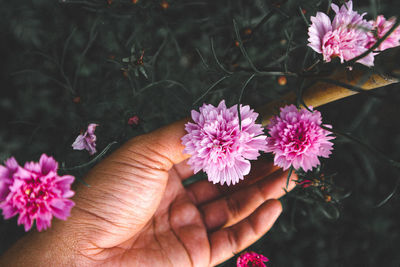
(136, 212)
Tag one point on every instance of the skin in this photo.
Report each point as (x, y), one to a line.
(136, 212)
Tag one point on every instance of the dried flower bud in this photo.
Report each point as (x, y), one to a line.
(164, 4)
(282, 80)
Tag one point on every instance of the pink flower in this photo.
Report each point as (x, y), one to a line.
(87, 140)
(251, 259)
(134, 120)
(6, 176)
(217, 145)
(345, 37)
(380, 27)
(305, 183)
(36, 191)
(297, 138)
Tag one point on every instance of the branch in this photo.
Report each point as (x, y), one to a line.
(324, 92)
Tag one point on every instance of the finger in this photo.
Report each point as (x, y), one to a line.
(204, 191)
(260, 168)
(151, 155)
(162, 148)
(227, 242)
(183, 170)
(232, 208)
(186, 222)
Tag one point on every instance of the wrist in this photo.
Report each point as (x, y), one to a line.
(50, 248)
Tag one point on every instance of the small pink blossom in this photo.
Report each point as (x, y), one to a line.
(86, 140)
(305, 183)
(217, 145)
(345, 37)
(251, 259)
(37, 192)
(297, 139)
(380, 27)
(134, 120)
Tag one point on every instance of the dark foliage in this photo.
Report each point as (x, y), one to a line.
(68, 63)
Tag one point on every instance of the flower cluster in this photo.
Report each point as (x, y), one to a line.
(35, 192)
(217, 144)
(251, 259)
(297, 139)
(349, 34)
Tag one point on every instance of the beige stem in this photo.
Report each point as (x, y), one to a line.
(322, 92)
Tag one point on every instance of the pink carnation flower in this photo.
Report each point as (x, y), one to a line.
(36, 192)
(345, 37)
(380, 27)
(251, 259)
(86, 140)
(297, 138)
(6, 176)
(217, 145)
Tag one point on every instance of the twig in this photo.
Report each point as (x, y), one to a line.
(209, 89)
(239, 39)
(240, 98)
(376, 45)
(216, 58)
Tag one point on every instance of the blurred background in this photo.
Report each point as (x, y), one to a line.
(65, 64)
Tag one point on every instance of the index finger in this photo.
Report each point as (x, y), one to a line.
(229, 241)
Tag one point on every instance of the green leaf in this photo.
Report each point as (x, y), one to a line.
(143, 71)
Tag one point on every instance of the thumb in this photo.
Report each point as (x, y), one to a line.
(126, 187)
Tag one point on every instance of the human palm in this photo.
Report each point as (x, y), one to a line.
(136, 211)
